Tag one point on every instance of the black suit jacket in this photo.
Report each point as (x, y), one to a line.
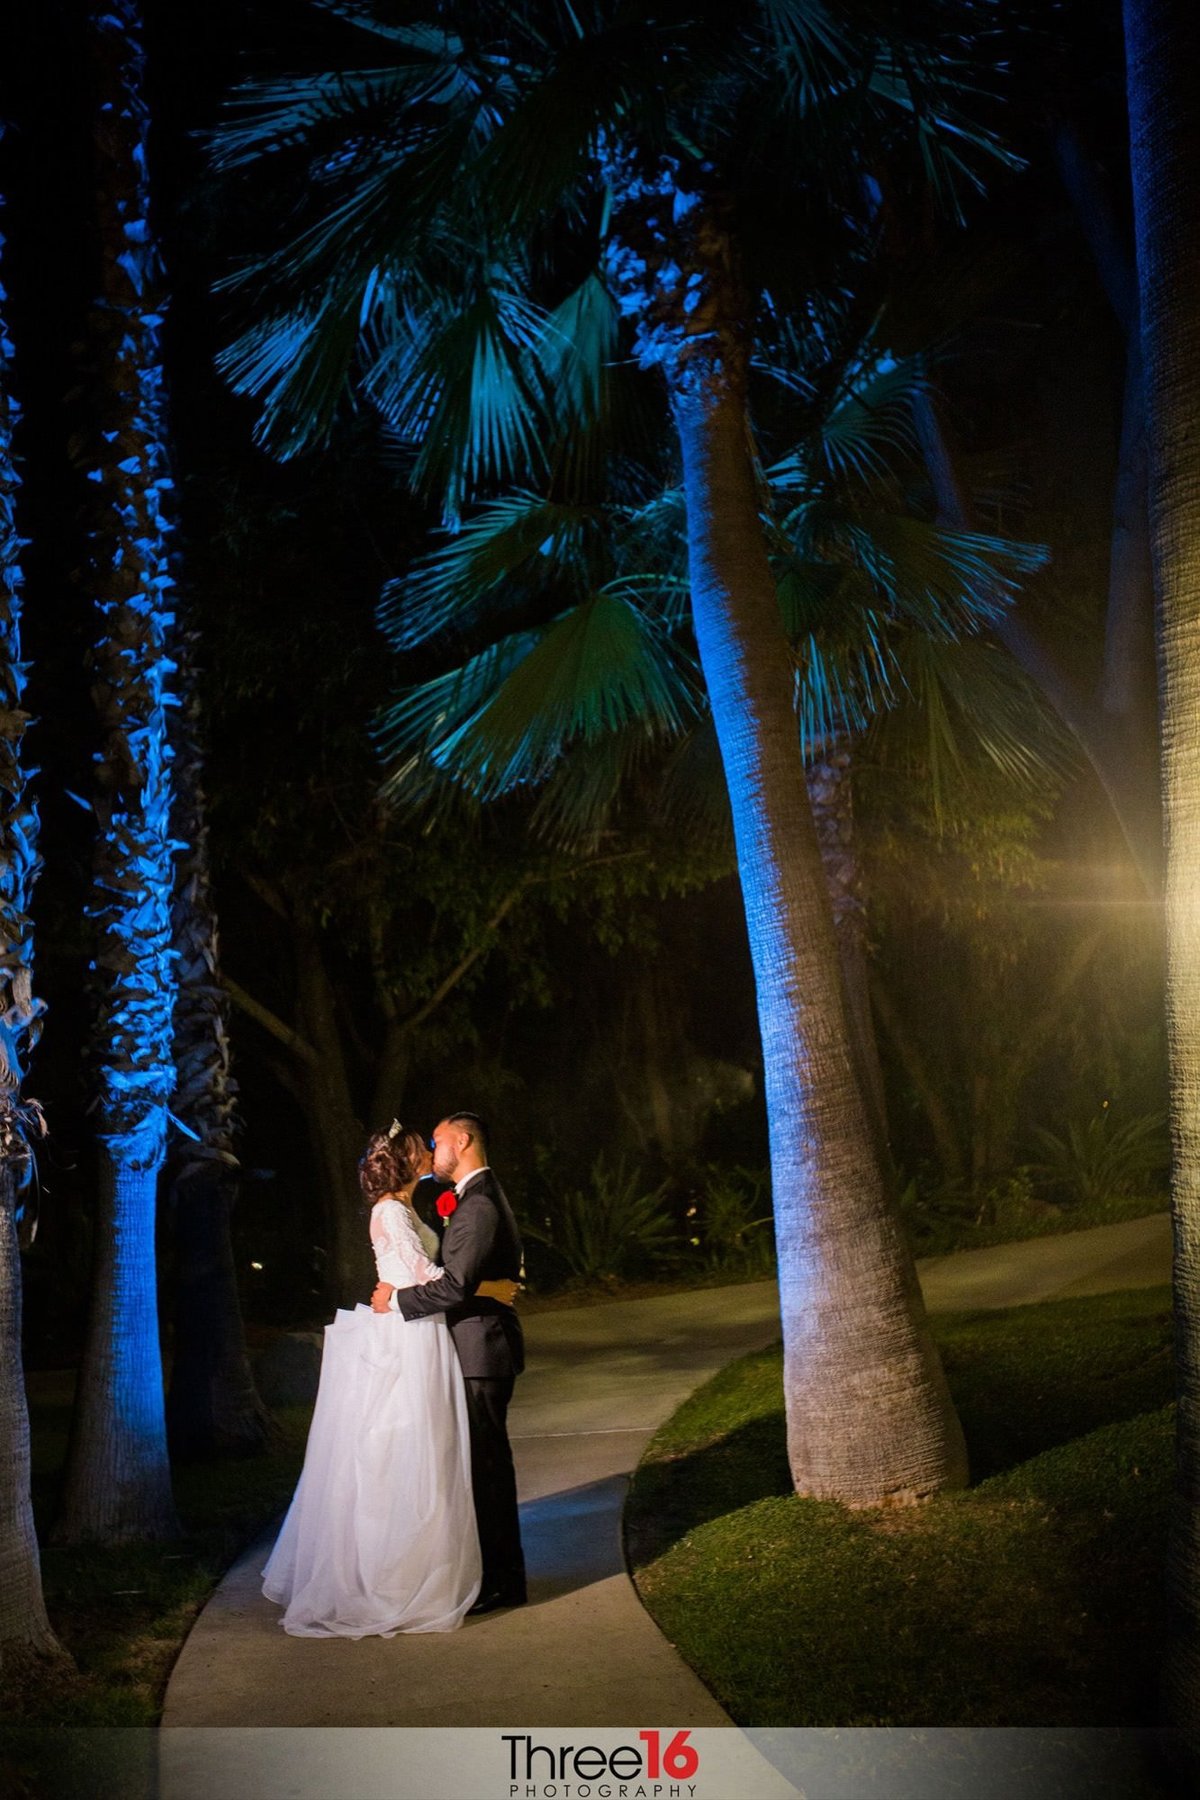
(481, 1243)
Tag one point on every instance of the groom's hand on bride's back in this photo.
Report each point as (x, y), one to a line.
(504, 1290)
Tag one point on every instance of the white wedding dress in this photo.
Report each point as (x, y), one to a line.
(380, 1536)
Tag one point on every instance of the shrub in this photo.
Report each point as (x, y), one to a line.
(736, 1220)
(612, 1229)
(948, 1215)
(1098, 1160)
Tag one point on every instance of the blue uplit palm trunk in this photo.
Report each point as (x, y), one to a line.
(118, 1479)
(24, 1627)
(869, 1415)
(1162, 48)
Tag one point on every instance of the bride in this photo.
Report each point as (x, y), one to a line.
(380, 1536)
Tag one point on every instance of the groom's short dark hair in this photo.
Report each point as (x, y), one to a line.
(475, 1125)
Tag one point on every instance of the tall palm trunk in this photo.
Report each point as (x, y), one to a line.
(213, 1406)
(869, 1417)
(1162, 47)
(828, 775)
(118, 1480)
(24, 1627)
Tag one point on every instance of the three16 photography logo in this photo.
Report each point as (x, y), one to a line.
(659, 1766)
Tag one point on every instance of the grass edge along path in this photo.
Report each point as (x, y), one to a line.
(1034, 1597)
(123, 1613)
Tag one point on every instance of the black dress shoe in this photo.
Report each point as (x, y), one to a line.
(493, 1598)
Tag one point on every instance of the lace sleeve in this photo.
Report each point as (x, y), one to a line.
(429, 1240)
(399, 1257)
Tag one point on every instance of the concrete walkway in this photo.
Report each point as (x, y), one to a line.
(599, 1382)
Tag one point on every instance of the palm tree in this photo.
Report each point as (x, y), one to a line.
(118, 1484)
(24, 1627)
(455, 188)
(1162, 42)
(879, 606)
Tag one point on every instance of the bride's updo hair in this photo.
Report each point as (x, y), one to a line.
(389, 1162)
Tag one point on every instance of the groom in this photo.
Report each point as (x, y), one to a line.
(481, 1244)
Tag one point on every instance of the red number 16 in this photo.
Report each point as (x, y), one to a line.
(679, 1760)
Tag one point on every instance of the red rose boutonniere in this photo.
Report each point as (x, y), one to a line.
(446, 1203)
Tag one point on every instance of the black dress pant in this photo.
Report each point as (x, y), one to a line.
(494, 1485)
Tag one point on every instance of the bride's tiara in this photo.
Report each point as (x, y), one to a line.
(395, 1129)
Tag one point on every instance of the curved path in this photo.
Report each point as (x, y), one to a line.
(599, 1382)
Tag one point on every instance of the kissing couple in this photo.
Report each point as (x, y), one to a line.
(405, 1514)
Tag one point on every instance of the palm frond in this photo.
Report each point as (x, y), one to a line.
(871, 421)
(298, 365)
(654, 535)
(344, 110)
(401, 318)
(942, 582)
(693, 794)
(859, 432)
(599, 668)
(416, 721)
(580, 800)
(418, 37)
(544, 542)
(577, 92)
(967, 701)
(576, 347)
(841, 686)
(844, 646)
(808, 38)
(382, 201)
(816, 595)
(664, 598)
(461, 383)
(932, 90)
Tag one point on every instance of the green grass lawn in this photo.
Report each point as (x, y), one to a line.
(123, 1614)
(1032, 1598)
(933, 1233)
